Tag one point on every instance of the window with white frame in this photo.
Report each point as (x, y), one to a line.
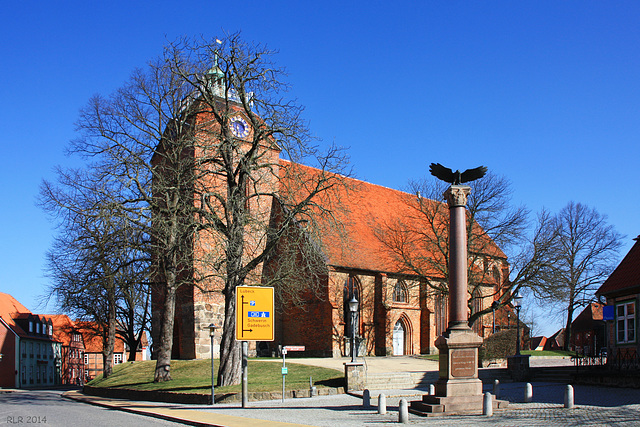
(626, 322)
(117, 358)
(86, 359)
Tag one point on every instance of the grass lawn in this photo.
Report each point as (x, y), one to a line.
(194, 376)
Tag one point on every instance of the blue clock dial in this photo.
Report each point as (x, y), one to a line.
(239, 127)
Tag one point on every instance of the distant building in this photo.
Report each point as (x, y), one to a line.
(72, 369)
(94, 345)
(588, 331)
(555, 341)
(537, 343)
(30, 355)
(622, 291)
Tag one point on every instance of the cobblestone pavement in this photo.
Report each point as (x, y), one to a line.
(595, 406)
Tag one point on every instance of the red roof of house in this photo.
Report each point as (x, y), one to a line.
(10, 309)
(626, 276)
(62, 328)
(93, 339)
(363, 210)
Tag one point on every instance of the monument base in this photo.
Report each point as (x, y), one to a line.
(354, 376)
(431, 406)
(458, 389)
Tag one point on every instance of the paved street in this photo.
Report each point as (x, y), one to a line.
(48, 408)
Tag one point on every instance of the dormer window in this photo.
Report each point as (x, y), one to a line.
(37, 328)
(30, 327)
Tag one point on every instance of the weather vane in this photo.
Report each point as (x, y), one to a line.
(457, 177)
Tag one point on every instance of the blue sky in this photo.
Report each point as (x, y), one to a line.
(545, 93)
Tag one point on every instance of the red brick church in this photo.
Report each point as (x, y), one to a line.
(398, 314)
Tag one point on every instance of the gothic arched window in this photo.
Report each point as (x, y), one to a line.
(400, 293)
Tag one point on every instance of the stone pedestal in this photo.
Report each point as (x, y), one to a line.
(518, 367)
(354, 376)
(459, 364)
(458, 389)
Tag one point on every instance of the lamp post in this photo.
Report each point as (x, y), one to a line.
(212, 331)
(494, 305)
(517, 304)
(353, 308)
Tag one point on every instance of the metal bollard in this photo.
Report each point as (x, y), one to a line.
(366, 399)
(496, 388)
(528, 393)
(568, 397)
(313, 391)
(487, 404)
(432, 390)
(403, 412)
(382, 404)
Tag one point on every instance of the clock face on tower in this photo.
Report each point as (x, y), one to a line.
(239, 127)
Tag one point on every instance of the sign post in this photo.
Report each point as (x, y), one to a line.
(254, 322)
(285, 370)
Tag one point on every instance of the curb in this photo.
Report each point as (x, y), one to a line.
(201, 399)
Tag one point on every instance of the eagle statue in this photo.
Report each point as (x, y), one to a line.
(457, 177)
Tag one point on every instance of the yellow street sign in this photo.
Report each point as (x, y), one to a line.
(254, 313)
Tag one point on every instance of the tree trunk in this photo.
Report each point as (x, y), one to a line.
(567, 328)
(111, 333)
(230, 370)
(163, 363)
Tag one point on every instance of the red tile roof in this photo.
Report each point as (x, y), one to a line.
(62, 328)
(626, 276)
(10, 309)
(93, 340)
(365, 208)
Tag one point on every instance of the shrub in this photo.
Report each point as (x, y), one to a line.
(498, 346)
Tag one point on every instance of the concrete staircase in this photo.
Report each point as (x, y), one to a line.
(421, 380)
(400, 380)
(559, 374)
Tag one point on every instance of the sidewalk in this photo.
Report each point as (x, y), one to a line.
(595, 406)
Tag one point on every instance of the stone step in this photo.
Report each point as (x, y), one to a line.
(564, 374)
(400, 380)
(434, 405)
(409, 380)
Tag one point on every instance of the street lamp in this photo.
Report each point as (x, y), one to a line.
(212, 331)
(353, 309)
(494, 306)
(517, 304)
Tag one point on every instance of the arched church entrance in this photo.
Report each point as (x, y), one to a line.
(399, 338)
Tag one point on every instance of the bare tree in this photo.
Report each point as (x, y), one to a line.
(420, 242)
(88, 255)
(585, 253)
(196, 136)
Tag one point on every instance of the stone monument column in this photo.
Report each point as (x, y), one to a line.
(456, 197)
(458, 389)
